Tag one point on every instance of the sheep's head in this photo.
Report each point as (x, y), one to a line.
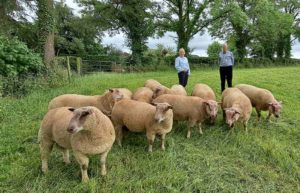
(275, 108)
(160, 90)
(232, 115)
(211, 108)
(161, 111)
(116, 94)
(79, 117)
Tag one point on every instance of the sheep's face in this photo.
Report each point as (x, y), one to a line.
(275, 108)
(78, 119)
(232, 115)
(116, 94)
(161, 111)
(158, 91)
(211, 108)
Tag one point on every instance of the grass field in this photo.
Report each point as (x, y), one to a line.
(267, 159)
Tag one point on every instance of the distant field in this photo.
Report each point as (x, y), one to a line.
(267, 159)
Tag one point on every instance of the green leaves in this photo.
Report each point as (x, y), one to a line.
(16, 59)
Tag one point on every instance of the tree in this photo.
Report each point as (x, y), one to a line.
(74, 34)
(213, 50)
(284, 44)
(132, 17)
(46, 26)
(186, 18)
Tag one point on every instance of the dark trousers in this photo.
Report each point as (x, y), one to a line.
(183, 78)
(226, 74)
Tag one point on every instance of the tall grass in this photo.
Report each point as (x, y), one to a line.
(267, 159)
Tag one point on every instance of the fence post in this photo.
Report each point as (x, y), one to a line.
(78, 62)
(69, 69)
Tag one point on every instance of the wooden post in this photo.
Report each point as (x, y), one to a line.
(69, 68)
(78, 62)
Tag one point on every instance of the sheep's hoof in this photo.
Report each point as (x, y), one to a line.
(103, 173)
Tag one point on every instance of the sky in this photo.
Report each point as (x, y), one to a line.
(198, 44)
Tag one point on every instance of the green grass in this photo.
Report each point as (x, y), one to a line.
(267, 159)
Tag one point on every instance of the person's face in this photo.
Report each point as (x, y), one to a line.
(225, 47)
(181, 53)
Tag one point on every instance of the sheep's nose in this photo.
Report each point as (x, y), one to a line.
(71, 129)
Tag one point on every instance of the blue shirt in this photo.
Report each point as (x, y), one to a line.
(181, 64)
(226, 59)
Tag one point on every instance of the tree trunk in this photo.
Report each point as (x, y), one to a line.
(137, 49)
(46, 30)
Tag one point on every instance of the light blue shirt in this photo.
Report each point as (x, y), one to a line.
(181, 64)
(226, 59)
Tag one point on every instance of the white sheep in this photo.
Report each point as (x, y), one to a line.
(140, 116)
(175, 90)
(152, 84)
(262, 100)
(236, 107)
(189, 108)
(103, 102)
(203, 91)
(143, 94)
(86, 130)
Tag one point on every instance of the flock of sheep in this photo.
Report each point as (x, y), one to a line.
(89, 125)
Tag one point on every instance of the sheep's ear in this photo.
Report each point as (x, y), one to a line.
(154, 104)
(170, 107)
(270, 104)
(110, 90)
(86, 112)
(238, 112)
(72, 109)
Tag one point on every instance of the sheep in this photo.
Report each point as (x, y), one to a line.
(85, 131)
(262, 100)
(152, 84)
(203, 91)
(103, 102)
(236, 107)
(127, 94)
(189, 108)
(143, 94)
(140, 116)
(175, 90)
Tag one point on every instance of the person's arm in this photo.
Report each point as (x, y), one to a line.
(189, 70)
(177, 65)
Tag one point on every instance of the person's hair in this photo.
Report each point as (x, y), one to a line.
(181, 49)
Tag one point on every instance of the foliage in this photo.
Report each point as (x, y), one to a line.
(75, 35)
(133, 18)
(264, 160)
(214, 49)
(186, 18)
(16, 59)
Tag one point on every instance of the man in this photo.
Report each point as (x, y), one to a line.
(226, 61)
(182, 67)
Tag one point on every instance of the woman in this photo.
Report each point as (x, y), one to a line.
(226, 61)
(182, 67)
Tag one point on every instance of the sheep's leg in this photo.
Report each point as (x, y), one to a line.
(258, 115)
(191, 124)
(200, 128)
(45, 149)
(245, 126)
(119, 133)
(151, 138)
(163, 137)
(103, 162)
(224, 116)
(84, 164)
(66, 155)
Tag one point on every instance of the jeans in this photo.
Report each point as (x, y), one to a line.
(226, 74)
(183, 78)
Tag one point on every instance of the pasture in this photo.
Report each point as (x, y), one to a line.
(267, 159)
